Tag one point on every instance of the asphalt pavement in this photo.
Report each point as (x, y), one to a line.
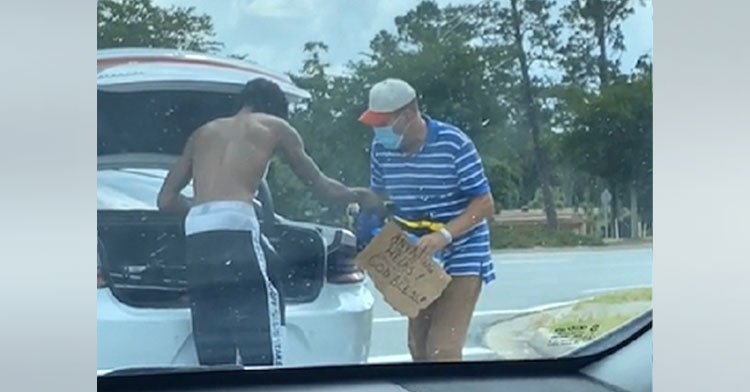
(526, 280)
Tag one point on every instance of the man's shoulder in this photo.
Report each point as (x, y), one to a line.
(450, 132)
(265, 121)
(377, 150)
(213, 125)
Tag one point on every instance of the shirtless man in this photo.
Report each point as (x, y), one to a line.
(234, 306)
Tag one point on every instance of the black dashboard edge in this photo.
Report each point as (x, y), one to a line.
(181, 379)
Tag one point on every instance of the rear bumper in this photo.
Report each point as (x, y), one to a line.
(334, 329)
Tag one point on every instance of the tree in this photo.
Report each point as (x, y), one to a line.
(595, 41)
(613, 136)
(527, 34)
(431, 49)
(328, 124)
(461, 80)
(140, 23)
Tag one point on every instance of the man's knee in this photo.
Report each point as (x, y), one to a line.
(444, 344)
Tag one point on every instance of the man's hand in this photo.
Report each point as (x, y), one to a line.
(368, 200)
(431, 243)
(169, 198)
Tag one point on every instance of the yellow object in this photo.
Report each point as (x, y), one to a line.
(420, 224)
(351, 211)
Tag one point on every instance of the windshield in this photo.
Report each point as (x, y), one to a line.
(465, 180)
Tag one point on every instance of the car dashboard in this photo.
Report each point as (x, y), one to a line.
(624, 367)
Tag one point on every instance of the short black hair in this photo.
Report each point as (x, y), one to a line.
(265, 96)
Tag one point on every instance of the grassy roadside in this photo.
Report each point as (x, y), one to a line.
(617, 297)
(556, 331)
(592, 318)
(531, 237)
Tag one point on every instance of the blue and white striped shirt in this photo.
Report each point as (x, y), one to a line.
(438, 183)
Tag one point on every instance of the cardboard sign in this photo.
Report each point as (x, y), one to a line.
(409, 279)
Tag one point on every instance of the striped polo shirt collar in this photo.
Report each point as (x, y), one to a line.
(433, 130)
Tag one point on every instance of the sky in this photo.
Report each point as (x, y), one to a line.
(273, 32)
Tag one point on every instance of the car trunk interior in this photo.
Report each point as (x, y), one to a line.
(145, 259)
(155, 121)
(145, 250)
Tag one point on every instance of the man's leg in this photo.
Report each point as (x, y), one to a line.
(224, 250)
(209, 306)
(450, 318)
(419, 326)
(258, 325)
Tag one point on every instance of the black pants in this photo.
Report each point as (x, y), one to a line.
(235, 309)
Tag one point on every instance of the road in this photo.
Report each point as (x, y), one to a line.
(524, 280)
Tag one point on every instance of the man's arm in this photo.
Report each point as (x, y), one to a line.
(170, 199)
(480, 208)
(292, 149)
(474, 184)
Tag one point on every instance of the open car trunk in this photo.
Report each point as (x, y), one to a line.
(144, 259)
(148, 109)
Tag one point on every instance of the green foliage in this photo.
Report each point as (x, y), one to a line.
(530, 237)
(141, 23)
(618, 297)
(595, 42)
(453, 83)
(504, 177)
(466, 64)
(613, 133)
(557, 194)
(328, 124)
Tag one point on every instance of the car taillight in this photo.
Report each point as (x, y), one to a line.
(100, 281)
(341, 267)
(345, 272)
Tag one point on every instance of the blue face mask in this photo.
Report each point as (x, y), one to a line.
(386, 137)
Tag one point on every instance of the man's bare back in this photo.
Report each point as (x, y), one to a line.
(230, 157)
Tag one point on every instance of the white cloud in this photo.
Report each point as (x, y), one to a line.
(639, 34)
(278, 8)
(273, 32)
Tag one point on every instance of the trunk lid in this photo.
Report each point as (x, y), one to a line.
(149, 102)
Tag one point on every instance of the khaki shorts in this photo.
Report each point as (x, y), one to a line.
(438, 333)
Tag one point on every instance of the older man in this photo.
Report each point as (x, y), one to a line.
(433, 174)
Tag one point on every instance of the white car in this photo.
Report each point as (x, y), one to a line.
(148, 103)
